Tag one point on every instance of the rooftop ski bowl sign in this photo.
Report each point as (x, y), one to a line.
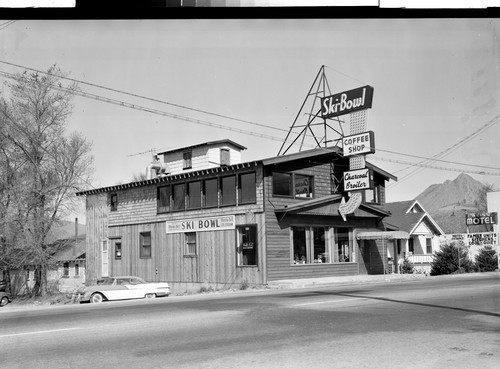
(347, 102)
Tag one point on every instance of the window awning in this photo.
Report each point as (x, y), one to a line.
(388, 235)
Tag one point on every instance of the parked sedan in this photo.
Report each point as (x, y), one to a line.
(4, 298)
(123, 288)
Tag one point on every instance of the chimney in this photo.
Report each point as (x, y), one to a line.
(76, 237)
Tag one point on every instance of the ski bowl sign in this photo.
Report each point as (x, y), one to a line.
(347, 102)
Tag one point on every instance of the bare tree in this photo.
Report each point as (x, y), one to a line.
(46, 166)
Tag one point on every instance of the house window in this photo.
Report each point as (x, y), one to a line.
(428, 245)
(190, 239)
(303, 186)
(224, 157)
(246, 188)
(282, 184)
(163, 199)
(194, 195)
(228, 190)
(77, 270)
(372, 195)
(187, 160)
(178, 196)
(114, 202)
(118, 250)
(145, 245)
(315, 245)
(410, 245)
(65, 270)
(247, 245)
(292, 185)
(210, 194)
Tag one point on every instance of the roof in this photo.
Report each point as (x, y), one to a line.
(67, 251)
(210, 143)
(319, 206)
(387, 235)
(403, 220)
(301, 155)
(269, 161)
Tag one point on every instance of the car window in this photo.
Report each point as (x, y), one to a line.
(136, 281)
(122, 281)
(106, 281)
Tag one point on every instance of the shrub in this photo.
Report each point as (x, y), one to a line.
(486, 260)
(451, 258)
(406, 267)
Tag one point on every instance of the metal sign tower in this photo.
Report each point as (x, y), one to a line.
(309, 129)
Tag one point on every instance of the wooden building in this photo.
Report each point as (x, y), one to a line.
(215, 221)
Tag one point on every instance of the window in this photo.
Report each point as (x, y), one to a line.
(65, 270)
(77, 270)
(194, 195)
(178, 196)
(282, 184)
(145, 245)
(292, 185)
(246, 188)
(224, 157)
(228, 190)
(118, 250)
(410, 245)
(373, 195)
(210, 194)
(319, 245)
(190, 239)
(114, 202)
(187, 160)
(163, 199)
(303, 186)
(428, 245)
(247, 245)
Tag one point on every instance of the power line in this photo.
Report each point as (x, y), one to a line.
(435, 167)
(150, 99)
(6, 24)
(220, 126)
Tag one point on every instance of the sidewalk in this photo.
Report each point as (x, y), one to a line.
(361, 279)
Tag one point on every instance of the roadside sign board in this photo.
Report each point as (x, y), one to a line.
(355, 180)
(362, 143)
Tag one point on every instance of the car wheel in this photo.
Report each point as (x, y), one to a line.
(4, 301)
(150, 295)
(96, 298)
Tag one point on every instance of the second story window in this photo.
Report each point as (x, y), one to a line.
(194, 195)
(113, 200)
(178, 196)
(163, 199)
(210, 193)
(293, 185)
(228, 190)
(224, 157)
(187, 160)
(246, 188)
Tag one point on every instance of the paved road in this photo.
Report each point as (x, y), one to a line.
(430, 323)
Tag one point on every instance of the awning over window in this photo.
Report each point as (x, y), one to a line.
(388, 235)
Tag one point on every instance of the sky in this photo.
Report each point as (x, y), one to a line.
(435, 83)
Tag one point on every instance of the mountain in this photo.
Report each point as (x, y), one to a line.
(448, 202)
(65, 229)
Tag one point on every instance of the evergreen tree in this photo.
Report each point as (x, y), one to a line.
(451, 258)
(486, 260)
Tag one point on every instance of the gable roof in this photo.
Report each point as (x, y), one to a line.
(402, 219)
(67, 250)
(210, 143)
(328, 205)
